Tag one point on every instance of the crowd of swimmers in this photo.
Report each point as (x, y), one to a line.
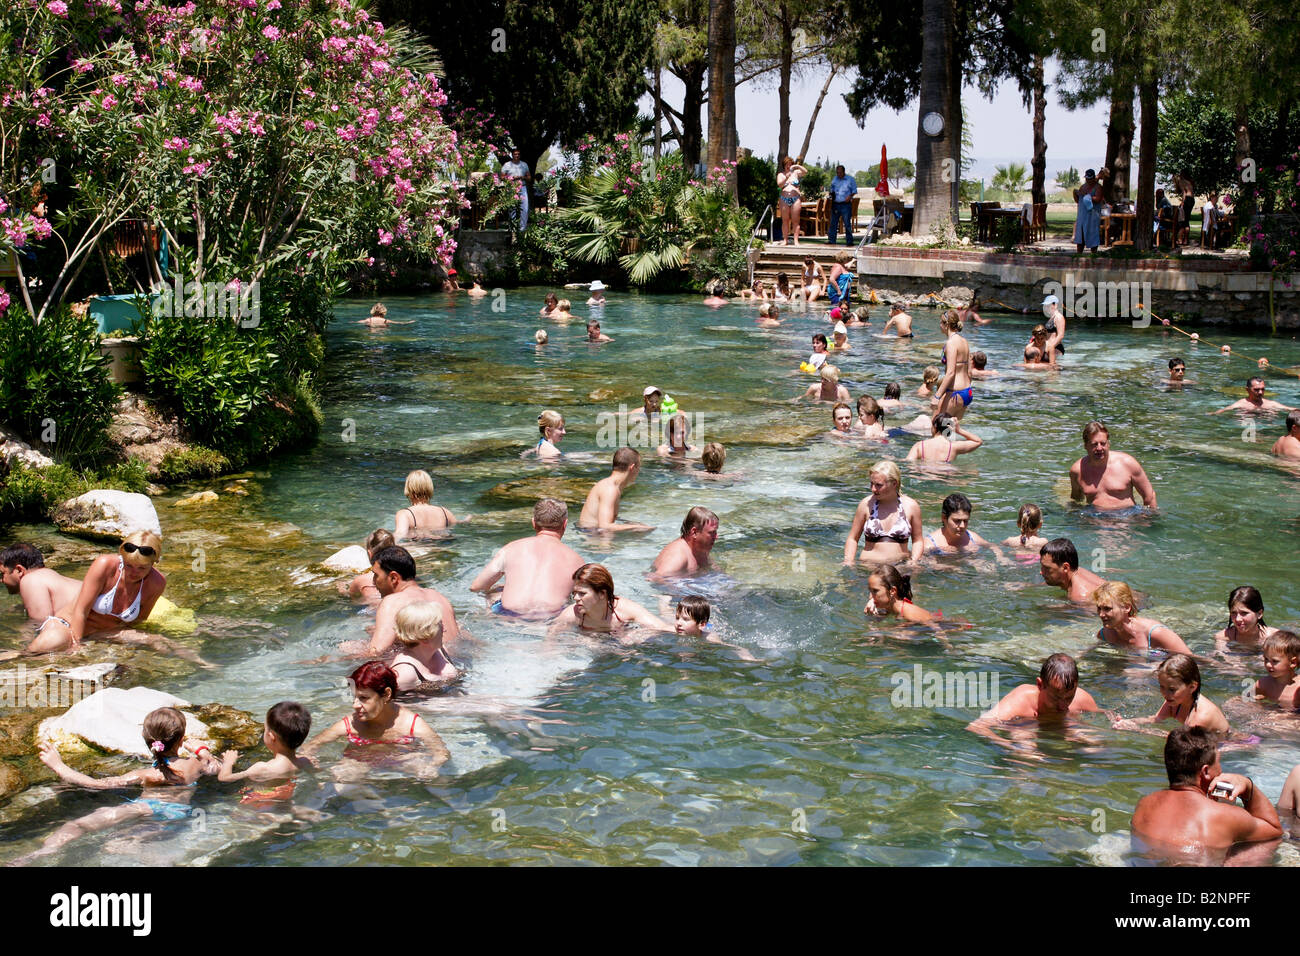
(538, 578)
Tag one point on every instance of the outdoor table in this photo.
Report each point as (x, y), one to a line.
(1126, 221)
(997, 217)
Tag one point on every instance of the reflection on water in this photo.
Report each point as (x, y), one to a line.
(677, 751)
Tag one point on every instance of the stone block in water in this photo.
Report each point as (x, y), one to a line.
(112, 720)
(107, 515)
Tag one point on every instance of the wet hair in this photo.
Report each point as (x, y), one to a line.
(1253, 379)
(1285, 641)
(819, 337)
(20, 552)
(419, 487)
(678, 425)
(950, 320)
(626, 458)
(377, 541)
(1029, 520)
(396, 558)
(1250, 597)
(894, 390)
(290, 721)
(714, 457)
(540, 337)
(418, 622)
(889, 470)
(552, 300)
(1187, 750)
(1175, 362)
(978, 360)
(375, 676)
(869, 406)
(1061, 551)
(1092, 428)
(1292, 419)
(697, 517)
(896, 307)
(593, 325)
(165, 726)
(943, 423)
(954, 503)
(564, 305)
(141, 538)
(837, 406)
(1183, 668)
(1117, 592)
(830, 372)
(379, 309)
(1039, 331)
(930, 375)
(1060, 670)
(862, 313)
(894, 580)
(550, 514)
(598, 578)
(696, 607)
(549, 419)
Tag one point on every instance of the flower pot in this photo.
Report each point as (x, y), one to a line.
(124, 358)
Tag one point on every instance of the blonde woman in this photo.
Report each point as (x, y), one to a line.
(422, 516)
(550, 424)
(420, 658)
(954, 393)
(790, 204)
(887, 521)
(1117, 609)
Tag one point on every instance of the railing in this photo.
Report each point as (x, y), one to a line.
(758, 231)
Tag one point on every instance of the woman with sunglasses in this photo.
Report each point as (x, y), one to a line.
(119, 590)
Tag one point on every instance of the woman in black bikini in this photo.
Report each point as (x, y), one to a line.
(421, 517)
(421, 659)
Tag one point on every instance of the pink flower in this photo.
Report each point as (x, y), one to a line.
(385, 238)
(42, 229)
(270, 32)
(59, 8)
(4, 301)
(177, 143)
(109, 101)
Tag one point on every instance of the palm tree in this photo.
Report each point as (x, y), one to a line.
(1012, 178)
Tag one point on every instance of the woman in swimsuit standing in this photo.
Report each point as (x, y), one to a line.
(942, 446)
(376, 719)
(885, 520)
(118, 590)
(421, 516)
(596, 608)
(954, 393)
(790, 204)
(1121, 625)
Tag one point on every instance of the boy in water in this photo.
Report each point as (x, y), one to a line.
(978, 361)
(1281, 653)
(287, 726)
(594, 334)
(692, 618)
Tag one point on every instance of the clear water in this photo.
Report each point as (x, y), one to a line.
(678, 751)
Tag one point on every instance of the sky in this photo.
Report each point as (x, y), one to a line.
(1002, 129)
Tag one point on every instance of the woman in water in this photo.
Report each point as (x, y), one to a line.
(1030, 521)
(118, 590)
(597, 609)
(1180, 685)
(941, 446)
(891, 595)
(421, 658)
(1036, 350)
(955, 393)
(954, 535)
(1246, 627)
(1120, 624)
(550, 424)
(421, 516)
(790, 204)
(362, 586)
(782, 291)
(886, 520)
(377, 719)
(871, 419)
(551, 304)
(841, 422)
(678, 435)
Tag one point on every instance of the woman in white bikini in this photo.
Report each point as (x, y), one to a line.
(421, 517)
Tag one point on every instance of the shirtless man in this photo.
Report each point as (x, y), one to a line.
(394, 572)
(594, 334)
(900, 321)
(1052, 696)
(652, 400)
(1177, 373)
(689, 553)
(538, 570)
(1108, 479)
(600, 513)
(1254, 402)
(1058, 562)
(1055, 329)
(42, 590)
(1186, 819)
(1288, 446)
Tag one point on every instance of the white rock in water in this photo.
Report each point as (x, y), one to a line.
(112, 720)
(352, 558)
(105, 514)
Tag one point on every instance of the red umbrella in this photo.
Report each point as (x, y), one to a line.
(882, 187)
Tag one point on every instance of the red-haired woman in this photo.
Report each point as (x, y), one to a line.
(596, 608)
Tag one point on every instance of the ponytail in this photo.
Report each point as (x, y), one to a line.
(1030, 519)
(895, 580)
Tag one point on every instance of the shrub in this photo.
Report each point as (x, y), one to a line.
(193, 462)
(542, 251)
(30, 494)
(756, 185)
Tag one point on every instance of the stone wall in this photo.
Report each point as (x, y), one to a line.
(486, 253)
(1209, 291)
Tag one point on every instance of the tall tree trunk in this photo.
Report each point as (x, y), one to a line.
(956, 119)
(1119, 141)
(783, 85)
(658, 94)
(1148, 93)
(692, 103)
(1240, 153)
(1039, 163)
(933, 188)
(722, 85)
(812, 120)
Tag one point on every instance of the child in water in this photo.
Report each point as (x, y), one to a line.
(891, 595)
(1180, 684)
(287, 726)
(1030, 522)
(1281, 653)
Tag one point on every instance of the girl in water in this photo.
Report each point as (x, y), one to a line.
(421, 516)
(955, 393)
(1180, 684)
(871, 419)
(929, 379)
(886, 521)
(891, 596)
(954, 535)
(941, 446)
(1030, 521)
(550, 424)
(1120, 624)
(597, 609)
(678, 435)
(1246, 627)
(893, 397)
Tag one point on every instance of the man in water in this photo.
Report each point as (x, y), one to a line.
(394, 578)
(1254, 402)
(652, 400)
(900, 321)
(689, 553)
(1177, 373)
(594, 334)
(1188, 818)
(538, 570)
(1108, 479)
(1055, 329)
(1058, 562)
(600, 513)
(1052, 696)
(41, 589)
(1288, 446)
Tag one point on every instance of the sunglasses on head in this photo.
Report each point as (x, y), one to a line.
(144, 549)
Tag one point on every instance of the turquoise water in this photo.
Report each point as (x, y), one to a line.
(678, 751)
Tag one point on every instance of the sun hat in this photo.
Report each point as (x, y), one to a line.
(597, 286)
